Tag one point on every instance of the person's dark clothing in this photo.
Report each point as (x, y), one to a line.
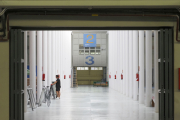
(58, 85)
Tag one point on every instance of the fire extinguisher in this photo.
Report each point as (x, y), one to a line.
(137, 77)
(114, 76)
(43, 77)
(43, 80)
(121, 76)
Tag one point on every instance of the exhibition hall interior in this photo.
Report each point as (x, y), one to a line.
(104, 74)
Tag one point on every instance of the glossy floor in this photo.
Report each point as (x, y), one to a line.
(92, 103)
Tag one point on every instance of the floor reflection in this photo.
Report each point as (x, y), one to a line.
(92, 103)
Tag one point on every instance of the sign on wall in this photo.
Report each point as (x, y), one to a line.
(89, 40)
(89, 60)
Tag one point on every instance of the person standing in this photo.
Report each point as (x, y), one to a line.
(58, 86)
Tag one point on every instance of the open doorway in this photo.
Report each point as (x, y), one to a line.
(17, 85)
(91, 75)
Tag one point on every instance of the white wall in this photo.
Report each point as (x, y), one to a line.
(123, 49)
(60, 64)
(113, 59)
(63, 58)
(80, 59)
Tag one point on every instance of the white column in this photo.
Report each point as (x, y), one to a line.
(55, 57)
(135, 64)
(52, 56)
(56, 54)
(112, 70)
(127, 62)
(124, 63)
(53, 78)
(119, 62)
(32, 60)
(58, 51)
(61, 61)
(48, 58)
(148, 67)
(121, 57)
(44, 55)
(156, 70)
(62, 57)
(130, 64)
(115, 59)
(141, 67)
(25, 71)
(39, 64)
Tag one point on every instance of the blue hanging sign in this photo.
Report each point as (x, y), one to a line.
(89, 40)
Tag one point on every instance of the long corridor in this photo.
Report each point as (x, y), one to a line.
(92, 103)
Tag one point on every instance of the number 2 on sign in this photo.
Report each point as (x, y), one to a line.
(89, 39)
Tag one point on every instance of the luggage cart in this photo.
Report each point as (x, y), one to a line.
(31, 98)
(46, 95)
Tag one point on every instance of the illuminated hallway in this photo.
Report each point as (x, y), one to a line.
(92, 103)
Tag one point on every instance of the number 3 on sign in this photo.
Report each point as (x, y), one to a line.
(90, 39)
(91, 60)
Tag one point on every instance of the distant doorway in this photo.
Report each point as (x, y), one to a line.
(89, 75)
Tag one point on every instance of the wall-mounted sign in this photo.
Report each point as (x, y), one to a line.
(89, 40)
(89, 60)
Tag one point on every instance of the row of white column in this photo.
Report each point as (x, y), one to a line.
(131, 47)
(51, 59)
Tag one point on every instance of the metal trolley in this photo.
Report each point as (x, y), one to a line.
(46, 95)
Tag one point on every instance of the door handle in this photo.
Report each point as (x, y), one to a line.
(159, 91)
(22, 91)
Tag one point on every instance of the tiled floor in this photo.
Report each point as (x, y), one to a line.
(92, 103)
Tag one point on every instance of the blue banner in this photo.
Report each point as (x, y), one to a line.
(28, 71)
(89, 40)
